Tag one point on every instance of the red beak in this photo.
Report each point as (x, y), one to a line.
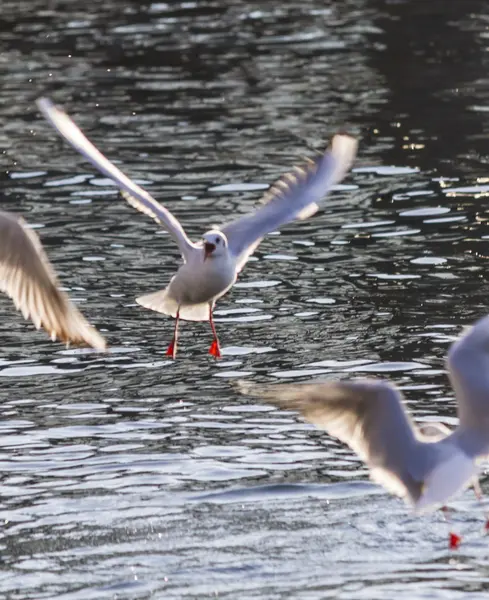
(208, 249)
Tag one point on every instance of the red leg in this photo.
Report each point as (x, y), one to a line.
(172, 348)
(454, 539)
(479, 496)
(215, 349)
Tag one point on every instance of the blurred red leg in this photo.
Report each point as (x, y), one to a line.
(454, 539)
(172, 348)
(479, 495)
(215, 349)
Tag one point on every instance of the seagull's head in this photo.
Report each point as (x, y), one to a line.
(215, 244)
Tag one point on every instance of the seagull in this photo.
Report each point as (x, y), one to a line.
(27, 277)
(210, 266)
(425, 468)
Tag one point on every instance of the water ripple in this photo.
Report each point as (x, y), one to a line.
(129, 475)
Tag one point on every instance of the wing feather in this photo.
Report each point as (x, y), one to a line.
(369, 417)
(141, 199)
(468, 368)
(294, 196)
(27, 277)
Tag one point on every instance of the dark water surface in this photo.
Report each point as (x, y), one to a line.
(130, 476)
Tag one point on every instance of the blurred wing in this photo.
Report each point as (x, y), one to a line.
(294, 196)
(134, 194)
(27, 277)
(468, 369)
(366, 415)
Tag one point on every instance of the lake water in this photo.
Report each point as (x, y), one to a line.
(129, 476)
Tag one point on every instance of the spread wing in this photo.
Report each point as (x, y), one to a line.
(294, 196)
(27, 277)
(468, 368)
(134, 194)
(369, 417)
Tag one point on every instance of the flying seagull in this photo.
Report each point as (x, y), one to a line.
(425, 469)
(27, 277)
(211, 266)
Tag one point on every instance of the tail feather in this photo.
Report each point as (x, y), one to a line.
(162, 302)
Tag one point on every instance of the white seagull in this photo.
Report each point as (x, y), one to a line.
(424, 468)
(211, 266)
(27, 277)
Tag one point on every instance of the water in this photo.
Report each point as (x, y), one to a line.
(128, 476)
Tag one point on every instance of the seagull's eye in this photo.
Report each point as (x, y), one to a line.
(217, 240)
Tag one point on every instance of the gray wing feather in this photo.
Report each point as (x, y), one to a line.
(27, 277)
(294, 196)
(468, 369)
(366, 415)
(134, 194)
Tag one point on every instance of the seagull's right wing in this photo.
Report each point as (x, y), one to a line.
(368, 416)
(134, 194)
(468, 368)
(27, 277)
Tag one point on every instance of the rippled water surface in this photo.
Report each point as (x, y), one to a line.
(129, 476)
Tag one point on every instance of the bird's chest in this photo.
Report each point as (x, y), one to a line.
(206, 281)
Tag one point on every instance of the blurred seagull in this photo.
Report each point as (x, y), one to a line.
(27, 277)
(211, 265)
(424, 468)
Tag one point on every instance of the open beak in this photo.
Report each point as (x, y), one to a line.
(208, 249)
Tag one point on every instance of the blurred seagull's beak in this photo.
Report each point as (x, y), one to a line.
(208, 249)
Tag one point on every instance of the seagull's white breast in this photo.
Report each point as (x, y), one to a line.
(453, 472)
(199, 281)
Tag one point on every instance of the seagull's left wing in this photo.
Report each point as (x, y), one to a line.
(294, 196)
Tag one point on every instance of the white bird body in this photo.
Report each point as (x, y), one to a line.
(453, 471)
(197, 284)
(211, 266)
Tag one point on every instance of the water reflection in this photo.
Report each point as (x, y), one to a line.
(125, 468)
